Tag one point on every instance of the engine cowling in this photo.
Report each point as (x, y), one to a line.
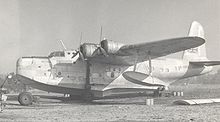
(111, 47)
(88, 49)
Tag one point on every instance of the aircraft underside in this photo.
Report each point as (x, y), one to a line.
(78, 92)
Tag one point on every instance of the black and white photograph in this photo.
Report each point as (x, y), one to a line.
(110, 60)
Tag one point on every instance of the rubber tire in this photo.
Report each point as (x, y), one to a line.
(25, 98)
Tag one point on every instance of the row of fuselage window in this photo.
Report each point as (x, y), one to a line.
(175, 68)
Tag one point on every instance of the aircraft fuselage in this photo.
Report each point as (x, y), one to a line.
(60, 76)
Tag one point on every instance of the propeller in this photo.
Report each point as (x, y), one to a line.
(99, 48)
(79, 51)
(81, 54)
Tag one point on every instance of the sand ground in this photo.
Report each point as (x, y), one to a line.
(51, 107)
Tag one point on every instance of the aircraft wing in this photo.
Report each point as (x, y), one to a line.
(163, 47)
(129, 54)
(205, 63)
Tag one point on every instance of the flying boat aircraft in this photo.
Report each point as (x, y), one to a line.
(99, 70)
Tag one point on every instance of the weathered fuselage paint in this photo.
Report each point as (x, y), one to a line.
(62, 76)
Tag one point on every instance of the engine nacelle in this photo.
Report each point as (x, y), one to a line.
(111, 47)
(88, 49)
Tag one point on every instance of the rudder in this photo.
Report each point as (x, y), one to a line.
(197, 53)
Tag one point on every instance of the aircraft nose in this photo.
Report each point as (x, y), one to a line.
(33, 67)
(22, 63)
(19, 62)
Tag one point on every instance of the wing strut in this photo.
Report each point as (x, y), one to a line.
(150, 65)
(151, 75)
(135, 62)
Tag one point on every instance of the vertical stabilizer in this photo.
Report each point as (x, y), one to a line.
(197, 53)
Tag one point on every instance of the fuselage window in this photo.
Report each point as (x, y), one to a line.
(59, 73)
(119, 69)
(112, 75)
(107, 69)
(57, 54)
(114, 69)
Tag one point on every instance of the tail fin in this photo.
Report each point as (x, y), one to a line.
(197, 53)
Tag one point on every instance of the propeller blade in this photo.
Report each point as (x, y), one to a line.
(81, 55)
(96, 52)
(100, 35)
(103, 51)
(100, 50)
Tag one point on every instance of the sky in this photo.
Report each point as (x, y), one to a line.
(33, 27)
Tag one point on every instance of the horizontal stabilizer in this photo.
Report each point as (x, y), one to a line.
(205, 63)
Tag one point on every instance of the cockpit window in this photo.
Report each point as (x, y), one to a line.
(56, 54)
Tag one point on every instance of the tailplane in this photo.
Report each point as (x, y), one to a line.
(197, 53)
